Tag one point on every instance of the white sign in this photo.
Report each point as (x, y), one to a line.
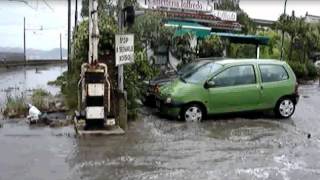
(195, 5)
(124, 49)
(225, 15)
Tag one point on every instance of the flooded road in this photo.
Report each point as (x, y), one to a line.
(245, 146)
(17, 81)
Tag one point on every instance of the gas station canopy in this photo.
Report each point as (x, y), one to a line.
(202, 31)
(244, 39)
(184, 27)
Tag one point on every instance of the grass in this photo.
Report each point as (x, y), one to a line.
(38, 98)
(15, 106)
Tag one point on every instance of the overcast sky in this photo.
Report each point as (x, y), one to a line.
(53, 18)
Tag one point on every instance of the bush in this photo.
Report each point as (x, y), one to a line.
(299, 69)
(38, 98)
(211, 46)
(312, 70)
(15, 106)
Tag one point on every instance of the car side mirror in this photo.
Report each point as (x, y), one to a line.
(209, 84)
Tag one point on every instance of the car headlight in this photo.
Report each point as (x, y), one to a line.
(168, 100)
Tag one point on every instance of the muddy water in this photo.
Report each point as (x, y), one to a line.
(17, 81)
(241, 146)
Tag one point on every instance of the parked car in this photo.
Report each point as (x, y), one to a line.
(152, 86)
(230, 86)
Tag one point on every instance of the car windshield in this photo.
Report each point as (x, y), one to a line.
(200, 74)
(190, 67)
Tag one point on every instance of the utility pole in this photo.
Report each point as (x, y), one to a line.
(282, 39)
(69, 40)
(24, 41)
(93, 32)
(120, 24)
(76, 17)
(60, 47)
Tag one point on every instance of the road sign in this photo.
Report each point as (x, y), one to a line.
(124, 49)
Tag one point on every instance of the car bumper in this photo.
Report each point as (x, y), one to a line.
(169, 109)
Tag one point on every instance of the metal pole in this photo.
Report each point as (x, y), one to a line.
(60, 47)
(258, 51)
(282, 39)
(24, 41)
(90, 34)
(69, 40)
(120, 23)
(76, 17)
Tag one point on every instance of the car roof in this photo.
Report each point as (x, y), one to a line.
(250, 61)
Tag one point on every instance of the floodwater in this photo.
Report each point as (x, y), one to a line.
(237, 146)
(18, 81)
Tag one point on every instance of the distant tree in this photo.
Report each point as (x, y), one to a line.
(212, 46)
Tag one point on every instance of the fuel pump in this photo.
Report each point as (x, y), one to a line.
(94, 85)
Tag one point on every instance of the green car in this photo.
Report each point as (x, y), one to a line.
(230, 85)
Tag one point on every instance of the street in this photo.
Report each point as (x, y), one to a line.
(237, 146)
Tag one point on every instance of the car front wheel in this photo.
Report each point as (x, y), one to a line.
(285, 108)
(192, 113)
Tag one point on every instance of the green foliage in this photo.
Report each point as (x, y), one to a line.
(302, 37)
(299, 69)
(149, 32)
(211, 46)
(312, 70)
(272, 50)
(15, 106)
(38, 98)
(182, 50)
(134, 75)
(104, 7)
(242, 51)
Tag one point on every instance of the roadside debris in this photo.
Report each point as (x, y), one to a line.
(34, 114)
(309, 136)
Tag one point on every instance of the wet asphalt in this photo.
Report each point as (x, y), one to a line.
(234, 146)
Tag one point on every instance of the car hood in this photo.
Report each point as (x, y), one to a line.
(170, 88)
(163, 80)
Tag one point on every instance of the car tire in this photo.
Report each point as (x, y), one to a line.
(192, 113)
(285, 108)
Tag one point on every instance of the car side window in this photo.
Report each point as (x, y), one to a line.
(273, 73)
(236, 75)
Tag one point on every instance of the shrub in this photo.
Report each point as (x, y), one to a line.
(299, 69)
(15, 106)
(211, 46)
(38, 98)
(312, 70)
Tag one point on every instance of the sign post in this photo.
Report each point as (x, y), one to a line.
(124, 49)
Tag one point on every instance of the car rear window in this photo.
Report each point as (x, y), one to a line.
(273, 73)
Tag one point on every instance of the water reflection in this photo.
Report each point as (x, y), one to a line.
(17, 81)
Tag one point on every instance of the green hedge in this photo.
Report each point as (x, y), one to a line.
(305, 71)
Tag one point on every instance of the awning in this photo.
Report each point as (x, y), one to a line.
(187, 27)
(244, 39)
